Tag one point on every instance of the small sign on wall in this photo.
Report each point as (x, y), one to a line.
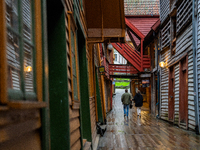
(145, 83)
(101, 69)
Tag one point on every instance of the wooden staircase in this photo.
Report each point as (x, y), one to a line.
(133, 56)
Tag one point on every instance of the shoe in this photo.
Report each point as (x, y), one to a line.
(140, 115)
(124, 115)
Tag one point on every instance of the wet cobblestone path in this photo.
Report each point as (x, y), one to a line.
(145, 133)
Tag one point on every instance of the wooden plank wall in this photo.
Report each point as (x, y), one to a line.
(164, 85)
(93, 118)
(164, 10)
(165, 35)
(20, 129)
(176, 95)
(183, 47)
(184, 14)
(198, 49)
(106, 93)
(75, 135)
(172, 4)
(92, 92)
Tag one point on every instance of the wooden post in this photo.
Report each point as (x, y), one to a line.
(38, 36)
(103, 89)
(3, 59)
(142, 54)
(111, 96)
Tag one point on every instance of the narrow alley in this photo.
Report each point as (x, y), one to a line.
(142, 133)
(62, 63)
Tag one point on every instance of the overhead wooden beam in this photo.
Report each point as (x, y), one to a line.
(132, 39)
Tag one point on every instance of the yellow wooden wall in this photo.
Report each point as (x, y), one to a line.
(20, 121)
(92, 87)
(75, 134)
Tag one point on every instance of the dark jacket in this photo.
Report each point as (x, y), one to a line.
(138, 99)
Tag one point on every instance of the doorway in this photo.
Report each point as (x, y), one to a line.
(171, 93)
(183, 93)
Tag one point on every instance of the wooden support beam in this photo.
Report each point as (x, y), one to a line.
(3, 58)
(132, 39)
(142, 40)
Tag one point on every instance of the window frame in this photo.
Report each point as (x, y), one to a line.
(73, 28)
(37, 65)
(22, 94)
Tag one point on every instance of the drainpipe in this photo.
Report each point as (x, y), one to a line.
(158, 76)
(158, 83)
(194, 22)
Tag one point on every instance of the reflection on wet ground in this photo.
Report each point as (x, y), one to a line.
(145, 133)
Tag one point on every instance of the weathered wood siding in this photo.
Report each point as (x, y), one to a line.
(92, 99)
(164, 10)
(184, 14)
(172, 4)
(183, 48)
(164, 85)
(93, 118)
(165, 35)
(176, 95)
(75, 134)
(198, 49)
(20, 129)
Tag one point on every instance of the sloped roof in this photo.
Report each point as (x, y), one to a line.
(143, 24)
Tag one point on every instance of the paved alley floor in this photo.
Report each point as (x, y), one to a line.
(145, 133)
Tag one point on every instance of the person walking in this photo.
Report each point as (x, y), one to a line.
(138, 99)
(126, 100)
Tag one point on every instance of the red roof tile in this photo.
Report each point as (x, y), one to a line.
(143, 24)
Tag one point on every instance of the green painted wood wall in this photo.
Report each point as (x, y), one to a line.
(58, 83)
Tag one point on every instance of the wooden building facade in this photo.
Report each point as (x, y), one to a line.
(197, 31)
(177, 84)
(51, 91)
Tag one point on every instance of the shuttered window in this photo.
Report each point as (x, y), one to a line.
(75, 88)
(74, 61)
(20, 49)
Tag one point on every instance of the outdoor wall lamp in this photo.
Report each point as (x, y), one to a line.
(162, 64)
(110, 47)
(28, 69)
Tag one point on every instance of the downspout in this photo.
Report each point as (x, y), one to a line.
(158, 84)
(194, 20)
(158, 78)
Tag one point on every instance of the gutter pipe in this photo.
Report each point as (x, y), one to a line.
(158, 76)
(194, 31)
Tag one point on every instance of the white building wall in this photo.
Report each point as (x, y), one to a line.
(120, 58)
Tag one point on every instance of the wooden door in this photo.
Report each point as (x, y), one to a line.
(183, 93)
(171, 94)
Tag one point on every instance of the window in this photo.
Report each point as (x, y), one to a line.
(20, 49)
(73, 55)
(73, 61)
(173, 36)
(115, 57)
